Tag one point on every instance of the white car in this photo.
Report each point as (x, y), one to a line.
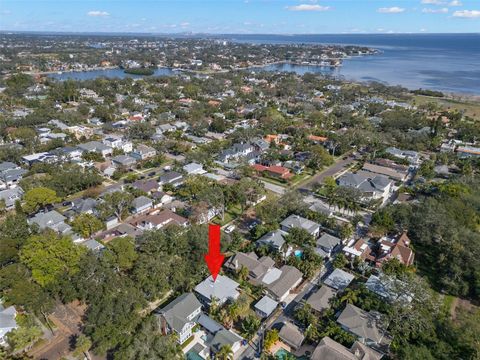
(229, 229)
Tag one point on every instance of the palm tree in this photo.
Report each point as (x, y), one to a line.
(263, 250)
(225, 353)
(249, 326)
(225, 318)
(354, 207)
(213, 307)
(234, 311)
(243, 273)
(350, 296)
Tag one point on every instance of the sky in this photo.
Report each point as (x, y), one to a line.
(242, 16)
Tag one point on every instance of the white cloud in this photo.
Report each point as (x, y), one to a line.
(433, 2)
(185, 24)
(436, 11)
(467, 14)
(455, 3)
(308, 7)
(391, 10)
(98, 13)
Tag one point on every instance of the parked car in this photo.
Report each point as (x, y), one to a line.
(229, 229)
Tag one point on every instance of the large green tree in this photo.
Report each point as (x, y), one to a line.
(38, 198)
(121, 252)
(117, 203)
(50, 256)
(87, 224)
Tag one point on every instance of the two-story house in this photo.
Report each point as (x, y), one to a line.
(370, 186)
(96, 146)
(180, 316)
(235, 152)
(143, 152)
(118, 143)
(296, 221)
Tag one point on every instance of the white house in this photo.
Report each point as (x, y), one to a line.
(194, 169)
(180, 316)
(7, 322)
(296, 221)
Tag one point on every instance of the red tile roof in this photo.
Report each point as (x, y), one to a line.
(317, 138)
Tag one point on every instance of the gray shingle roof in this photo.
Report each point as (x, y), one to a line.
(289, 278)
(84, 205)
(177, 311)
(124, 160)
(170, 176)
(94, 146)
(93, 245)
(296, 221)
(208, 323)
(274, 239)
(360, 323)
(266, 305)
(292, 335)
(320, 300)
(221, 289)
(49, 219)
(141, 201)
(6, 165)
(7, 317)
(329, 349)
(12, 174)
(224, 337)
(328, 241)
(10, 196)
(339, 279)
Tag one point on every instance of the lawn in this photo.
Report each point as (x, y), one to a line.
(448, 301)
(273, 181)
(231, 214)
(188, 341)
(471, 108)
(298, 178)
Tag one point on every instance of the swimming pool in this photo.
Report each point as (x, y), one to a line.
(281, 354)
(192, 355)
(298, 253)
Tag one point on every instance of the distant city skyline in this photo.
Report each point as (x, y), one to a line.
(242, 16)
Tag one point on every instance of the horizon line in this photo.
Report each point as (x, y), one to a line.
(222, 34)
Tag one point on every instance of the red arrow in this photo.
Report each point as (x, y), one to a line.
(214, 258)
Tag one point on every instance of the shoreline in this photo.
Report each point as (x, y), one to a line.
(448, 95)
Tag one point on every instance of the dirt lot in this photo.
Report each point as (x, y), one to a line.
(68, 322)
(461, 304)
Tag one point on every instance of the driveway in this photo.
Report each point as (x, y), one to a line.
(335, 170)
(274, 188)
